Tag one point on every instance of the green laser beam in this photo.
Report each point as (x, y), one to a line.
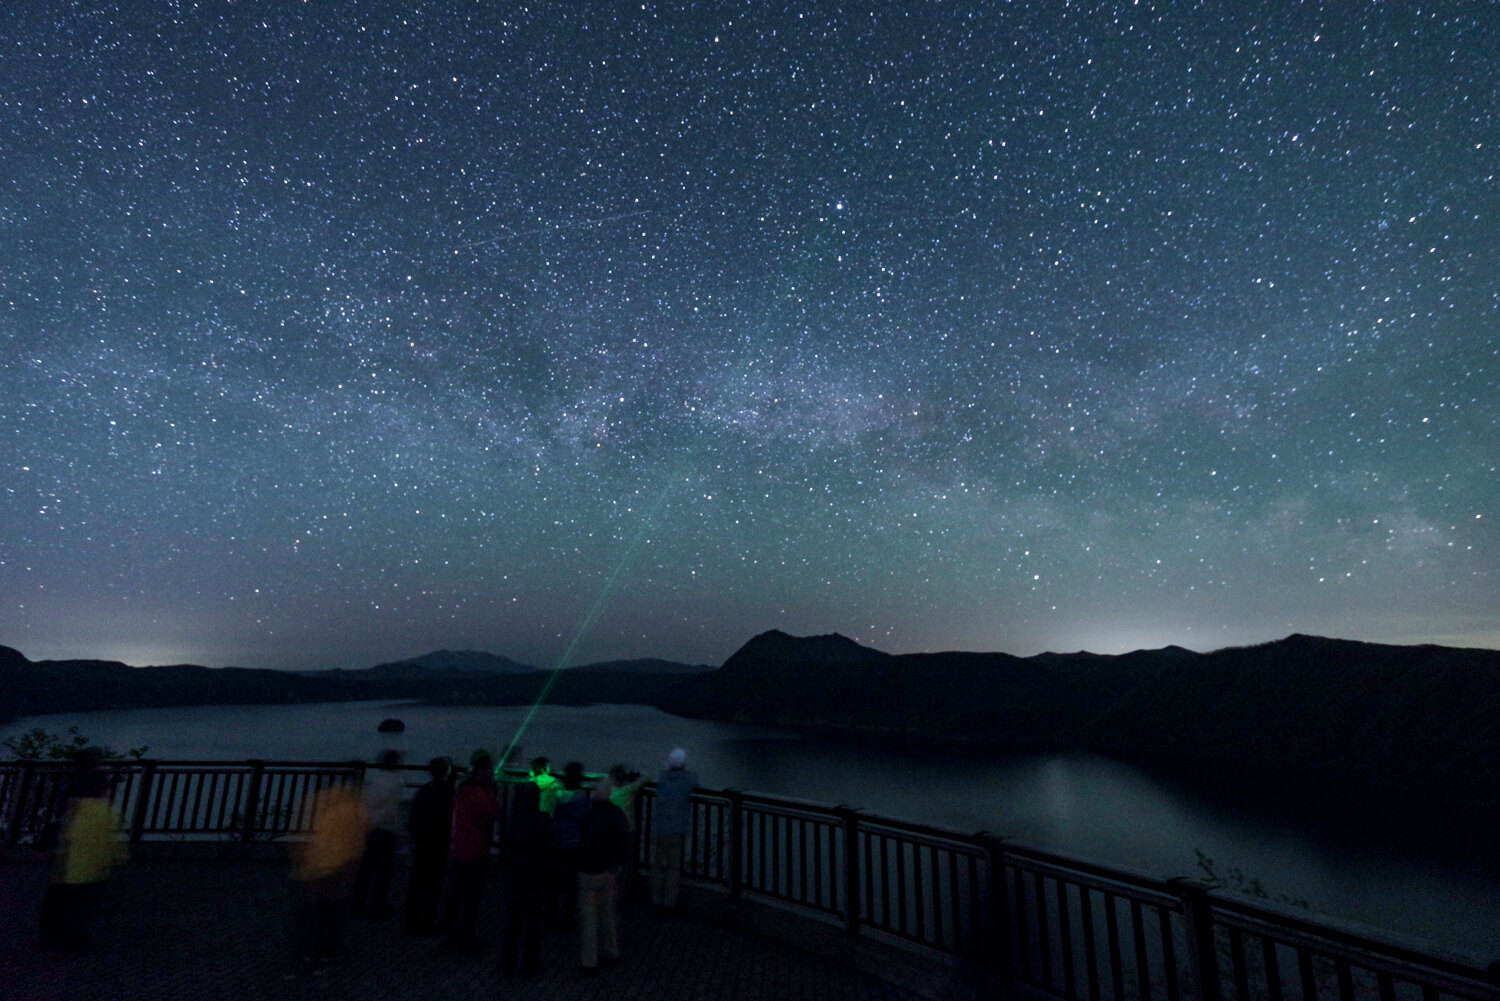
(606, 593)
(818, 239)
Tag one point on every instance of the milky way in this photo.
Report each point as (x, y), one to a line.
(340, 332)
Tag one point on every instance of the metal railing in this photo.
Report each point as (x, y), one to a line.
(1045, 925)
(1029, 922)
(178, 800)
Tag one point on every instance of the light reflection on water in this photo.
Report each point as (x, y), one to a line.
(1412, 875)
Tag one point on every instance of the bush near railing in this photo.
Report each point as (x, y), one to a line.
(1030, 922)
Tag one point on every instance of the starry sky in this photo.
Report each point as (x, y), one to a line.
(344, 331)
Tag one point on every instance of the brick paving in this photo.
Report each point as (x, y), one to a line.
(205, 930)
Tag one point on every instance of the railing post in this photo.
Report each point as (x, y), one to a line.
(142, 801)
(996, 916)
(252, 801)
(736, 842)
(18, 802)
(1203, 954)
(849, 818)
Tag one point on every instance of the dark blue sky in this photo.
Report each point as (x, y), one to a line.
(339, 332)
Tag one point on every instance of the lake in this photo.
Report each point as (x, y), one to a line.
(1431, 878)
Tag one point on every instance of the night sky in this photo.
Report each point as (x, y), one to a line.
(341, 332)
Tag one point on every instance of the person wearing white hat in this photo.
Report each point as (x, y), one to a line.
(671, 818)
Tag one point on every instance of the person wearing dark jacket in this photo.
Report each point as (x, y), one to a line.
(671, 820)
(567, 821)
(525, 866)
(603, 847)
(431, 825)
(625, 790)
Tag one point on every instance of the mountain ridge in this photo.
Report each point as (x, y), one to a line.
(1421, 721)
(30, 688)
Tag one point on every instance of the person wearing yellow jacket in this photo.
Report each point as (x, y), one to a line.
(323, 868)
(89, 850)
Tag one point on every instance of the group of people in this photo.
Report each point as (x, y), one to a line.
(566, 855)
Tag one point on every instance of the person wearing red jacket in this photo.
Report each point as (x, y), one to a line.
(476, 807)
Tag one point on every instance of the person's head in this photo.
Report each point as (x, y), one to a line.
(440, 768)
(480, 763)
(389, 760)
(573, 775)
(619, 774)
(539, 766)
(677, 760)
(601, 791)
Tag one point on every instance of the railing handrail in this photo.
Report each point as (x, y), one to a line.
(1394, 956)
(1099, 875)
(938, 888)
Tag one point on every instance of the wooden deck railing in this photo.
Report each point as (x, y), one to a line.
(1033, 922)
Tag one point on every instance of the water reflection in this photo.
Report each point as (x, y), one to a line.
(1057, 783)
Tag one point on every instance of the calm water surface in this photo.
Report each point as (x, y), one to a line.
(1421, 877)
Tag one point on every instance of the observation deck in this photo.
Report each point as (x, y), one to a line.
(205, 929)
(781, 899)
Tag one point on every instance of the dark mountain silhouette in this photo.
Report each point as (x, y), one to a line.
(470, 660)
(832, 681)
(28, 688)
(443, 677)
(1421, 720)
(646, 665)
(429, 666)
(473, 664)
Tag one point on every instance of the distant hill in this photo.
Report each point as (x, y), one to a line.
(465, 677)
(1422, 720)
(470, 660)
(28, 688)
(645, 665)
(473, 664)
(438, 664)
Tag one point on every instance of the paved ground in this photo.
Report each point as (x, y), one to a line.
(206, 930)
